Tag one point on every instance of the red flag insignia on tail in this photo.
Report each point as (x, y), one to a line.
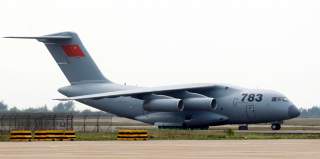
(73, 50)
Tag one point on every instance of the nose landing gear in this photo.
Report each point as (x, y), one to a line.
(275, 126)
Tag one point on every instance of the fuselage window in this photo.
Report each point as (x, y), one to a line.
(279, 99)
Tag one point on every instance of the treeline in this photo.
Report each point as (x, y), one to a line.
(313, 112)
(63, 107)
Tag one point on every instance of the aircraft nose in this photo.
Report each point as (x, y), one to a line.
(293, 111)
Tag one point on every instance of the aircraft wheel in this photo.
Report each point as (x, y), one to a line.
(276, 126)
(243, 127)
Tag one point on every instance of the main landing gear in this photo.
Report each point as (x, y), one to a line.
(275, 126)
(243, 127)
(184, 127)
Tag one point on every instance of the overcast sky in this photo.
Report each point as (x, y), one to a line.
(267, 44)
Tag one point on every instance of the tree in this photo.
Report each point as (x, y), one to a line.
(64, 107)
(86, 112)
(310, 112)
(43, 109)
(14, 109)
(37, 110)
(3, 107)
(90, 112)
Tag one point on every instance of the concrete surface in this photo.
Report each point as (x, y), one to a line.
(198, 149)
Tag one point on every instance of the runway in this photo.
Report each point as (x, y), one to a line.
(164, 149)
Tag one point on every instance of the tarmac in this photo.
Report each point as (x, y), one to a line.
(163, 149)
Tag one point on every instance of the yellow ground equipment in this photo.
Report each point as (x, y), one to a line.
(54, 135)
(20, 135)
(127, 134)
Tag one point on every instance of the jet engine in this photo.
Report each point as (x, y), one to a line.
(195, 101)
(199, 104)
(164, 105)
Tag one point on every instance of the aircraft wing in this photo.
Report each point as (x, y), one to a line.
(140, 91)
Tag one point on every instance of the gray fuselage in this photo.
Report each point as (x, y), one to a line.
(234, 106)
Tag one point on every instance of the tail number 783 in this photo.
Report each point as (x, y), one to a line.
(251, 97)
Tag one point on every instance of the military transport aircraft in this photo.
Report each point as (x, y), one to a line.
(180, 106)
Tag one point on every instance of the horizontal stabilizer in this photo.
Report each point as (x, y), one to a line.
(41, 37)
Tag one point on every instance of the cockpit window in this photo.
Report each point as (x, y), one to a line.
(279, 99)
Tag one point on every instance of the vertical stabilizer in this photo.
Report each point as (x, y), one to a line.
(72, 57)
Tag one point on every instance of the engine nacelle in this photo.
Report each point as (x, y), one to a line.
(164, 105)
(199, 104)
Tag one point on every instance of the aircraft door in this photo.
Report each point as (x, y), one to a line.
(250, 108)
(240, 110)
(245, 109)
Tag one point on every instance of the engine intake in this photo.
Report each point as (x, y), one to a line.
(164, 105)
(199, 104)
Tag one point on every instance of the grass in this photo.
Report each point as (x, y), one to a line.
(218, 135)
(4, 137)
(96, 136)
(303, 122)
(173, 134)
